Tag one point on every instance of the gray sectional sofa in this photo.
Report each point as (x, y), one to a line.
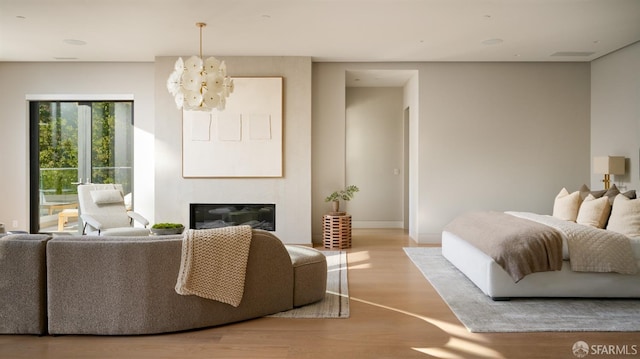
(126, 285)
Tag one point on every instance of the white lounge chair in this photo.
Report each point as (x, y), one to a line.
(103, 211)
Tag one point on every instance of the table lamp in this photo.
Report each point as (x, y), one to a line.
(608, 165)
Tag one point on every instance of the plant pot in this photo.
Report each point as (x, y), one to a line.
(166, 231)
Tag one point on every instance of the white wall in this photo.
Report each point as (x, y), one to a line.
(291, 193)
(161, 192)
(374, 155)
(20, 80)
(502, 136)
(615, 113)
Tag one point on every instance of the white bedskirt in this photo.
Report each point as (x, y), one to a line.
(485, 273)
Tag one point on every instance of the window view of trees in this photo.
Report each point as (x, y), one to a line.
(108, 166)
(58, 126)
(61, 139)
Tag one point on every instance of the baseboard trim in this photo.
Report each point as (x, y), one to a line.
(377, 224)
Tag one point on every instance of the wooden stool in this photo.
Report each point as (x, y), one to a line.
(336, 231)
(63, 217)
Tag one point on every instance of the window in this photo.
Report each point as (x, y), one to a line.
(72, 143)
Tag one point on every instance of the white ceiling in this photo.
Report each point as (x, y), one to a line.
(329, 30)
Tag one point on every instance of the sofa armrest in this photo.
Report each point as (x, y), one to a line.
(23, 284)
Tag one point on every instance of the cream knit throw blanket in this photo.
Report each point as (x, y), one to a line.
(214, 263)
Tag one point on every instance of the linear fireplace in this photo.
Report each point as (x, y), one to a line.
(217, 215)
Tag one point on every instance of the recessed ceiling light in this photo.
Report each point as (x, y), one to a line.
(74, 42)
(492, 41)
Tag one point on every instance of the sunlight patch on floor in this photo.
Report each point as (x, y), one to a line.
(439, 353)
(359, 260)
(460, 341)
(455, 346)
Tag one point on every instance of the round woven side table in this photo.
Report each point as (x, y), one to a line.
(336, 231)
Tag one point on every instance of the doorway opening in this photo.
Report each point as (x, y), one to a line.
(377, 146)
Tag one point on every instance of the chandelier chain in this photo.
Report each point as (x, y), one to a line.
(201, 25)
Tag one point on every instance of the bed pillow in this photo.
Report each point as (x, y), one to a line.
(107, 196)
(625, 216)
(630, 194)
(584, 191)
(611, 193)
(594, 211)
(566, 205)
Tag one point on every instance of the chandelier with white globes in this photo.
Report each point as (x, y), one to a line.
(200, 85)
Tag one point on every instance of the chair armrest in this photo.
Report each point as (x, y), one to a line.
(91, 221)
(138, 217)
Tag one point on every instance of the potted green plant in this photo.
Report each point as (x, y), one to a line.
(344, 194)
(167, 228)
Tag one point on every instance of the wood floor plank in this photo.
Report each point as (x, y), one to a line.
(395, 313)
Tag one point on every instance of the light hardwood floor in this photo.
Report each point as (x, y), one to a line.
(395, 313)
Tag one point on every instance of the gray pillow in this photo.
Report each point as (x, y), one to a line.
(612, 192)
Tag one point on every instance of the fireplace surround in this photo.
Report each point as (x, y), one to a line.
(217, 215)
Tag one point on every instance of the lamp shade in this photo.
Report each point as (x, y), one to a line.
(613, 165)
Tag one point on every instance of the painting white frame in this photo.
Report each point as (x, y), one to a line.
(244, 140)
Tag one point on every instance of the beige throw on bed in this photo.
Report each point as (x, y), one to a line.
(518, 245)
(214, 263)
(591, 249)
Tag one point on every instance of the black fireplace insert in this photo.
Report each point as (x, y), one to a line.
(217, 215)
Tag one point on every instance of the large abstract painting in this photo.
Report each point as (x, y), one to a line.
(244, 140)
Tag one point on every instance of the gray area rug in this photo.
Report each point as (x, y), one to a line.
(336, 300)
(479, 313)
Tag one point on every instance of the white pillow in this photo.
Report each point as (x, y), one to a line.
(106, 196)
(566, 205)
(625, 216)
(594, 211)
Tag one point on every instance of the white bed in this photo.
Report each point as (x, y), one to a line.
(485, 273)
(609, 219)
